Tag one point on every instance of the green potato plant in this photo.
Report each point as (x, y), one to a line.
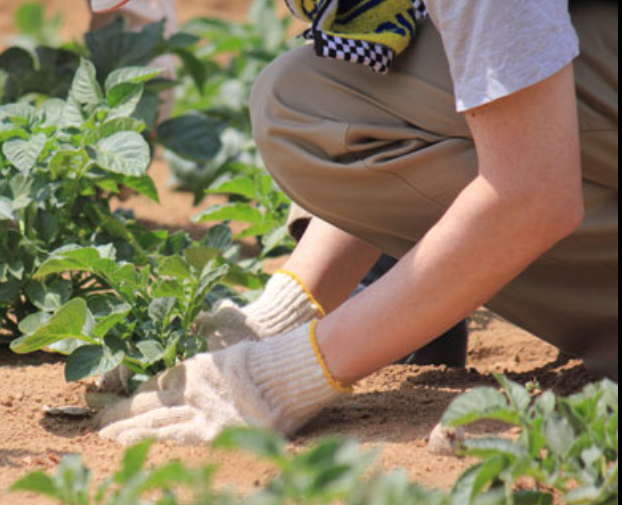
(139, 316)
(60, 162)
(566, 445)
(257, 202)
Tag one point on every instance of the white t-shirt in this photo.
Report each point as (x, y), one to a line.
(498, 47)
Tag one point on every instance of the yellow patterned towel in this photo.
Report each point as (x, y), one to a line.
(369, 32)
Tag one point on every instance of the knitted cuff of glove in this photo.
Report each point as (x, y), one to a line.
(285, 305)
(291, 375)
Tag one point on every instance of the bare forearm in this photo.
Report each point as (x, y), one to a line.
(331, 263)
(473, 252)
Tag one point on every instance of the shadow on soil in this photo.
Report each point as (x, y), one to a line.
(9, 358)
(424, 394)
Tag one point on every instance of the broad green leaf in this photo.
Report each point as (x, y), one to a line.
(33, 322)
(73, 116)
(559, 435)
(9, 290)
(198, 257)
(79, 260)
(17, 269)
(49, 297)
(242, 186)
(489, 447)
(171, 288)
(182, 39)
(68, 322)
(160, 309)
(175, 266)
(118, 314)
(51, 113)
(477, 405)
(131, 75)
(38, 483)
(23, 154)
(518, 395)
(151, 350)
(194, 137)
(196, 68)
(17, 62)
(142, 185)
(270, 227)
(85, 89)
(276, 238)
(46, 225)
(90, 361)
(210, 277)
(74, 481)
(22, 113)
(6, 209)
(68, 162)
(112, 126)
(21, 188)
(127, 274)
(125, 153)
(218, 237)
(134, 462)
(546, 403)
(125, 97)
(232, 212)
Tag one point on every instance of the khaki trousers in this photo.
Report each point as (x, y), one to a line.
(383, 157)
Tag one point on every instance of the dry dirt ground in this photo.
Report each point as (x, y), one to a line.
(395, 409)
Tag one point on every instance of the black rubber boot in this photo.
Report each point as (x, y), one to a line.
(449, 349)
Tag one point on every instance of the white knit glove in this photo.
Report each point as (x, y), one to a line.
(278, 384)
(285, 305)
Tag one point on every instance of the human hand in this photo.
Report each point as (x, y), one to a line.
(278, 384)
(285, 305)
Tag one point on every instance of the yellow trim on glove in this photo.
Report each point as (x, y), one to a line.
(329, 376)
(312, 298)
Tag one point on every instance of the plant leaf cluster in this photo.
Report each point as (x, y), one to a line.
(566, 445)
(137, 314)
(59, 163)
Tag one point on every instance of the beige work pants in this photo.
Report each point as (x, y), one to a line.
(383, 157)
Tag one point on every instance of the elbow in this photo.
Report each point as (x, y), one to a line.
(575, 215)
(557, 214)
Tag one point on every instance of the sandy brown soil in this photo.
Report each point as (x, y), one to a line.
(395, 409)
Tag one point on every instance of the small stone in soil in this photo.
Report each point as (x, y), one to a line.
(69, 411)
(446, 441)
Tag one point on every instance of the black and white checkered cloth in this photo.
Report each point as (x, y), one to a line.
(420, 11)
(375, 56)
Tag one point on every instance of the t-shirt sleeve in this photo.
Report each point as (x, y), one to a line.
(498, 47)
